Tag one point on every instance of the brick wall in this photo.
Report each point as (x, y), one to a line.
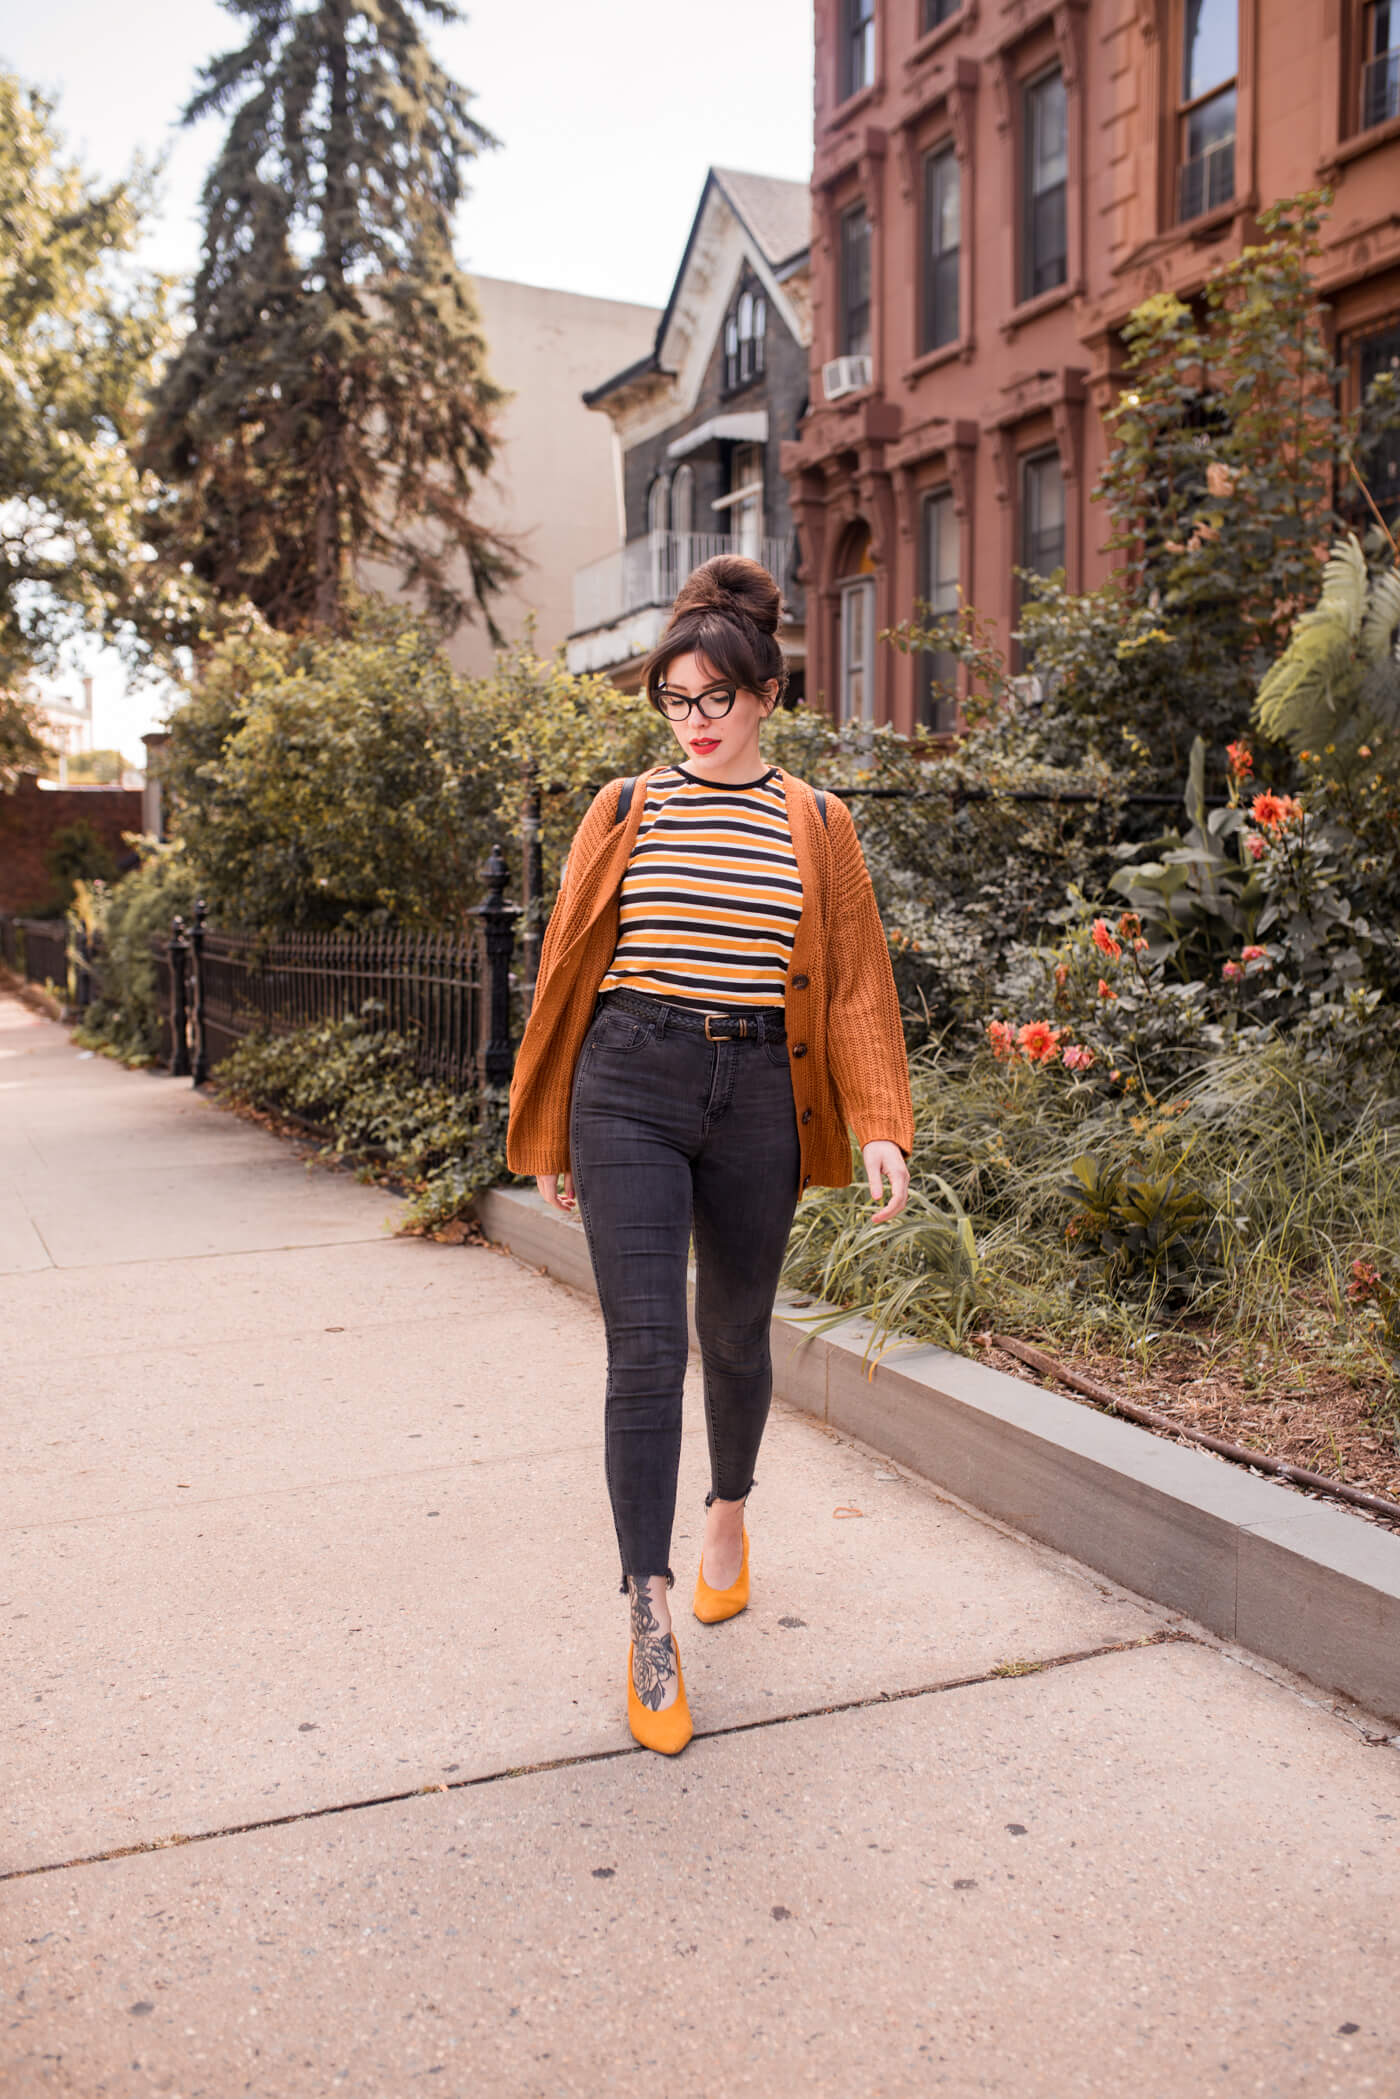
(29, 819)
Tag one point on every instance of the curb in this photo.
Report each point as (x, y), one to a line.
(1294, 1581)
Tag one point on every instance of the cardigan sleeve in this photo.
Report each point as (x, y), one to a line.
(865, 1036)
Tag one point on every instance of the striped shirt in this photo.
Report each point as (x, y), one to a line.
(711, 895)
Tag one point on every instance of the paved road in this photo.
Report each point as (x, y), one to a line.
(316, 1776)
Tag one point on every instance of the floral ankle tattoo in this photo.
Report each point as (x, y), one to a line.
(653, 1658)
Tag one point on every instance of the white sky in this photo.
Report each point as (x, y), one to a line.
(608, 117)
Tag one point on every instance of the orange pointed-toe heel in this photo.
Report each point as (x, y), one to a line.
(667, 1731)
(712, 1606)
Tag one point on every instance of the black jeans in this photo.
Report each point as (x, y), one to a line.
(669, 1130)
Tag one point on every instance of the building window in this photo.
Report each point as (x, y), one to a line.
(1206, 119)
(855, 283)
(1042, 513)
(745, 337)
(858, 650)
(938, 559)
(1045, 261)
(683, 500)
(1378, 447)
(855, 683)
(936, 11)
(857, 46)
(659, 504)
(1380, 63)
(942, 248)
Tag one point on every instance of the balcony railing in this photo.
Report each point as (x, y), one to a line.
(650, 571)
(1380, 89)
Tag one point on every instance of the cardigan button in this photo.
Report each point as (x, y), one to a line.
(806, 1115)
(799, 1049)
(806, 1180)
(799, 983)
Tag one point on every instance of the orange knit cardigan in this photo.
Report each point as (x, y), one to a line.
(841, 1010)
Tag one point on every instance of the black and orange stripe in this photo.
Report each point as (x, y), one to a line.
(711, 896)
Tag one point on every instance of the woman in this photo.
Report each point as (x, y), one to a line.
(714, 1004)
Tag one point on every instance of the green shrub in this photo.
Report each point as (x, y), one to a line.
(126, 918)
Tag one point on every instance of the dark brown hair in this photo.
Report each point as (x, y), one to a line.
(727, 611)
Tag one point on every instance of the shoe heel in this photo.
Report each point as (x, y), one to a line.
(713, 1606)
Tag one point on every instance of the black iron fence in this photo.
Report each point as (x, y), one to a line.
(49, 951)
(450, 992)
(37, 949)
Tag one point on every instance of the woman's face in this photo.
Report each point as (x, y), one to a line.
(726, 747)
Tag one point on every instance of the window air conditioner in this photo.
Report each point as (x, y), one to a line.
(845, 375)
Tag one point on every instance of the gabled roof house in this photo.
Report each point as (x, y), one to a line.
(698, 424)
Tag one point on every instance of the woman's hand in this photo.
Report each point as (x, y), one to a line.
(885, 1159)
(557, 1189)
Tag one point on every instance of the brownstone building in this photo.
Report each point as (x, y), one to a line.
(996, 184)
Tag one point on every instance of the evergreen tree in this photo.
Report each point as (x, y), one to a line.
(330, 405)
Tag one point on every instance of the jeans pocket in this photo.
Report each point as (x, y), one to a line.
(619, 1031)
(776, 1052)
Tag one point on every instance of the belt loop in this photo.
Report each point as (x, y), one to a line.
(663, 1014)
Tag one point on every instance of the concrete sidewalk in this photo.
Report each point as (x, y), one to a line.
(316, 1769)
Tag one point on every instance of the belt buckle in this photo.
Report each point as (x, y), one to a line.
(743, 1029)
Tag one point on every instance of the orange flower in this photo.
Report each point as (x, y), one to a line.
(1273, 811)
(1039, 1043)
(1062, 975)
(1103, 940)
(1000, 1036)
(1106, 990)
(1241, 760)
(1129, 925)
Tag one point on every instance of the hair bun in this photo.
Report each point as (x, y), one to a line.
(733, 585)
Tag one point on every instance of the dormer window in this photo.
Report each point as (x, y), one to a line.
(745, 331)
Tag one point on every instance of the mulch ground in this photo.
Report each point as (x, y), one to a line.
(1298, 1409)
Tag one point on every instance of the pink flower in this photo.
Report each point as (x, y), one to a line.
(1079, 1057)
(1256, 845)
(1254, 954)
(1103, 940)
(1231, 971)
(1003, 1042)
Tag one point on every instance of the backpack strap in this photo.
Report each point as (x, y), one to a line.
(624, 797)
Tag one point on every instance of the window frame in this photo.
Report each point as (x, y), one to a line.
(934, 13)
(930, 339)
(1366, 59)
(856, 52)
(1028, 464)
(942, 499)
(1185, 107)
(846, 346)
(859, 588)
(1034, 84)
